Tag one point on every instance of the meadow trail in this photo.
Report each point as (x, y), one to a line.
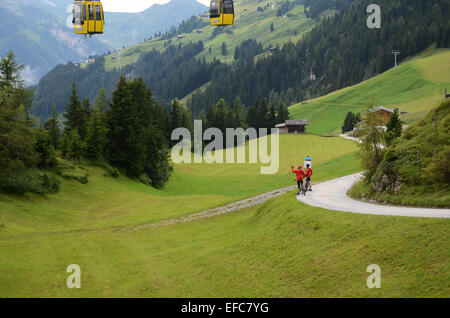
(234, 206)
(332, 195)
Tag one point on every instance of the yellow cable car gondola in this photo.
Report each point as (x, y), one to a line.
(221, 12)
(88, 17)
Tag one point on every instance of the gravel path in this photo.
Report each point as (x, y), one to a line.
(235, 206)
(332, 195)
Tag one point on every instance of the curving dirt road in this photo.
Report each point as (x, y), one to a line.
(332, 195)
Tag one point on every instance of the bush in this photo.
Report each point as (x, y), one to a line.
(415, 169)
(30, 180)
(439, 170)
(72, 176)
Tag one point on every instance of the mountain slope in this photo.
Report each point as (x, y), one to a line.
(44, 28)
(39, 40)
(252, 21)
(340, 52)
(162, 61)
(125, 29)
(418, 86)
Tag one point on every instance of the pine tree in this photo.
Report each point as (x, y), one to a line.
(74, 112)
(118, 121)
(394, 128)
(350, 122)
(221, 115)
(135, 143)
(157, 164)
(52, 126)
(272, 116)
(101, 102)
(251, 117)
(237, 109)
(72, 145)
(87, 110)
(176, 115)
(263, 115)
(96, 137)
(10, 74)
(16, 134)
(282, 113)
(45, 150)
(210, 117)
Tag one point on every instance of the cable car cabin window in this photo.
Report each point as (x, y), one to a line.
(91, 13)
(77, 13)
(228, 7)
(98, 13)
(214, 9)
(84, 12)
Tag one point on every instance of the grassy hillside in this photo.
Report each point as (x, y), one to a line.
(417, 86)
(282, 248)
(402, 179)
(249, 24)
(105, 202)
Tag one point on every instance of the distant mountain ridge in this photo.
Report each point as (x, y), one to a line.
(39, 39)
(125, 29)
(37, 32)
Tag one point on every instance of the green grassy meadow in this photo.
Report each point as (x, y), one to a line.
(105, 202)
(416, 88)
(281, 248)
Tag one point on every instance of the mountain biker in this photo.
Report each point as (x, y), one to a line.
(300, 175)
(308, 175)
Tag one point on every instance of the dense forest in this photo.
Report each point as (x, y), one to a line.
(182, 69)
(340, 51)
(127, 134)
(313, 8)
(172, 73)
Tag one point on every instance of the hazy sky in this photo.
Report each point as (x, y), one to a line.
(135, 5)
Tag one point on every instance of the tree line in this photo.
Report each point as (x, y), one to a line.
(173, 73)
(127, 134)
(23, 147)
(340, 51)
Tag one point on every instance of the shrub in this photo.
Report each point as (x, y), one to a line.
(29, 180)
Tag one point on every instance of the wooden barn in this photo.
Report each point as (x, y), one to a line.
(292, 127)
(384, 113)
